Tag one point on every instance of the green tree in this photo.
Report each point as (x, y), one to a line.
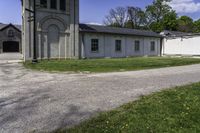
(169, 21)
(196, 26)
(185, 24)
(157, 10)
(160, 16)
(156, 26)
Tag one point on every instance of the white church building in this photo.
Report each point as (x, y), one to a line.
(59, 35)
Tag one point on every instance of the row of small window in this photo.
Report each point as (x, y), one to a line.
(53, 4)
(118, 45)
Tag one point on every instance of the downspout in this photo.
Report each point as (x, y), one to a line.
(161, 46)
(143, 46)
(82, 46)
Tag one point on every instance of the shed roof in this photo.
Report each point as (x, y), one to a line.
(168, 33)
(114, 30)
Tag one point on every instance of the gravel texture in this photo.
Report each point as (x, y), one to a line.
(42, 102)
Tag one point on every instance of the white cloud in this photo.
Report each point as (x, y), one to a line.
(185, 6)
(94, 23)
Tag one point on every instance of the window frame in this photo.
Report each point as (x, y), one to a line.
(137, 43)
(153, 46)
(118, 44)
(93, 43)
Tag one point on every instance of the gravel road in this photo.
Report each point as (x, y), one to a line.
(42, 102)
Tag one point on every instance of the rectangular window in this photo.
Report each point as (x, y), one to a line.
(137, 45)
(153, 47)
(43, 3)
(118, 45)
(53, 4)
(94, 45)
(63, 5)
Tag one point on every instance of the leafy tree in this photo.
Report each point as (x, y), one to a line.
(156, 26)
(197, 26)
(158, 10)
(169, 21)
(160, 16)
(185, 24)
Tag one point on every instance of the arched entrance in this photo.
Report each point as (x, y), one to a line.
(53, 42)
(53, 37)
(10, 46)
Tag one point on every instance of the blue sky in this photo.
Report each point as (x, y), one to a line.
(93, 11)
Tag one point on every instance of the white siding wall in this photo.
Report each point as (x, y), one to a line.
(107, 45)
(182, 46)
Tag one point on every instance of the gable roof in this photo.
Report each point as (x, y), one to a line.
(114, 30)
(4, 26)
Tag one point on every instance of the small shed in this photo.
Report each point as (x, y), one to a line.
(10, 38)
(180, 43)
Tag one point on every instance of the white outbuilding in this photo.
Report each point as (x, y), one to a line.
(180, 44)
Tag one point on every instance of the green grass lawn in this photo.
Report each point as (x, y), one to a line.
(172, 111)
(110, 65)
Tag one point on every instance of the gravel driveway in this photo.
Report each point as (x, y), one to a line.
(10, 57)
(41, 102)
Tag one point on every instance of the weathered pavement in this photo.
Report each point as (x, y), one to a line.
(10, 58)
(38, 101)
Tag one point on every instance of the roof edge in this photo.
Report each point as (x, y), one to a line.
(116, 28)
(8, 25)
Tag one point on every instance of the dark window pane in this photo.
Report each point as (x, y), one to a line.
(53, 4)
(94, 45)
(43, 3)
(137, 45)
(118, 45)
(152, 46)
(63, 5)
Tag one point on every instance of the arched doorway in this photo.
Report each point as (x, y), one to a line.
(53, 41)
(10, 46)
(53, 37)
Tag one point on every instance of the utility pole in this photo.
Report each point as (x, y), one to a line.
(33, 19)
(34, 34)
(74, 27)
